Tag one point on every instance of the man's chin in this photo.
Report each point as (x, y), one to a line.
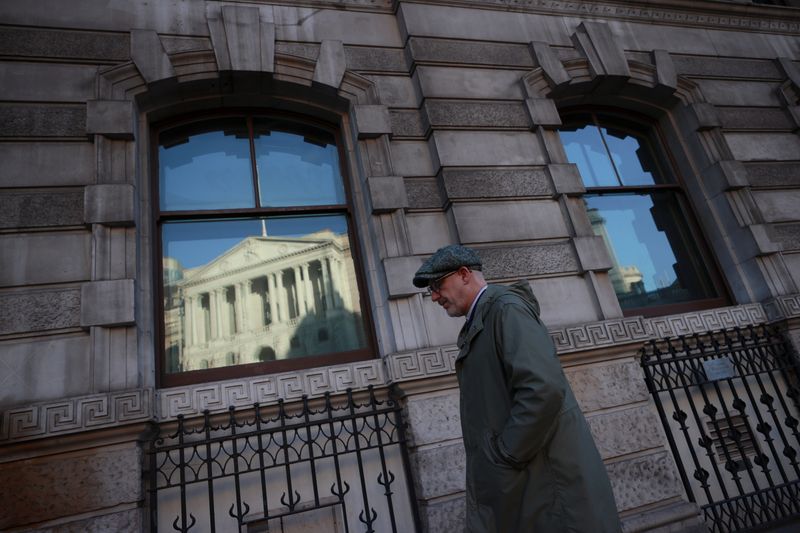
(453, 312)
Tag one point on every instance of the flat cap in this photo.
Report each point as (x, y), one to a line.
(446, 260)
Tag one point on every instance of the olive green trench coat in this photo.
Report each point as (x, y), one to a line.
(532, 465)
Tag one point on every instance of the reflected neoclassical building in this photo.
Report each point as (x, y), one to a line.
(265, 298)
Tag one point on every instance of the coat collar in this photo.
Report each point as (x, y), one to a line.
(471, 329)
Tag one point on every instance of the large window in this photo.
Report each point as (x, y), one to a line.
(257, 261)
(637, 206)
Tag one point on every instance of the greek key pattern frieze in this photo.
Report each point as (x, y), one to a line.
(422, 363)
(783, 307)
(440, 360)
(650, 13)
(194, 399)
(710, 320)
(75, 414)
(597, 334)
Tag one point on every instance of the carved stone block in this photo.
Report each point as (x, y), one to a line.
(387, 193)
(149, 56)
(706, 116)
(129, 521)
(466, 52)
(509, 221)
(331, 64)
(109, 204)
(469, 183)
(549, 62)
(408, 123)
(46, 164)
(666, 75)
(107, 303)
(786, 235)
(772, 174)
(64, 44)
(424, 193)
(611, 385)
(110, 118)
(34, 258)
(39, 310)
(487, 148)
(371, 120)
(37, 120)
(476, 114)
(543, 112)
(40, 209)
(592, 253)
(737, 118)
(566, 178)
(622, 432)
(527, 260)
(605, 55)
(399, 272)
(431, 480)
(359, 58)
(444, 515)
(54, 486)
(433, 419)
(643, 480)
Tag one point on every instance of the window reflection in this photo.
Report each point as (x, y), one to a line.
(296, 166)
(206, 166)
(636, 206)
(258, 289)
(656, 262)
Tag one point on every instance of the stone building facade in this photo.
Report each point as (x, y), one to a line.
(453, 121)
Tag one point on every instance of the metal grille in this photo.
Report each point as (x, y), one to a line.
(330, 467)
(728, 402)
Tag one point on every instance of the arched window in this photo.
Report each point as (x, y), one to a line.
(636, 203)
(249, 207)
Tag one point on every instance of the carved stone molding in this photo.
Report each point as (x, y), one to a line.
(216, 397)
(712, 319)
(783, 307)
(422, 363)
(75, 414)
(728, 16)
(599, 334)
(438, 361)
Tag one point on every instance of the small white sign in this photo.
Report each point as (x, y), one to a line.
(720, 368)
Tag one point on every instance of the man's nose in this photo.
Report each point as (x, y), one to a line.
(434, 296)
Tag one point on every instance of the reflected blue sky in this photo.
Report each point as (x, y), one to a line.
(585, 148)
(195, 243)
(293, 171)
(635, 238)
(210, 171)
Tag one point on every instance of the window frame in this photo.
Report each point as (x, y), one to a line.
(158, 217)
(651, 131)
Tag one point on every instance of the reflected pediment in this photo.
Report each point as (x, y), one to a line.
(256, 251)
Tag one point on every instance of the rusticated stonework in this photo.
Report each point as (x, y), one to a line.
(194, 399)
(75, 414)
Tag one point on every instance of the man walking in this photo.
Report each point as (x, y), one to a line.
(532, 465)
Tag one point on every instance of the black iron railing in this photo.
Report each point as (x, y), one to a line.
(728, 402)
(340, 465)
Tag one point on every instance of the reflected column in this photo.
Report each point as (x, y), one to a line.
(188, 321)
(273, 298)
(308, 289)
(327, 288)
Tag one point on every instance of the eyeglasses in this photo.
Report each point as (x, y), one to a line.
(436, 285)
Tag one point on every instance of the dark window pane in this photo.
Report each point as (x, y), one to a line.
(584, 147)
(655, 258)
(254, 290)
(631, 157)
(296, 166)
(206, 166)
